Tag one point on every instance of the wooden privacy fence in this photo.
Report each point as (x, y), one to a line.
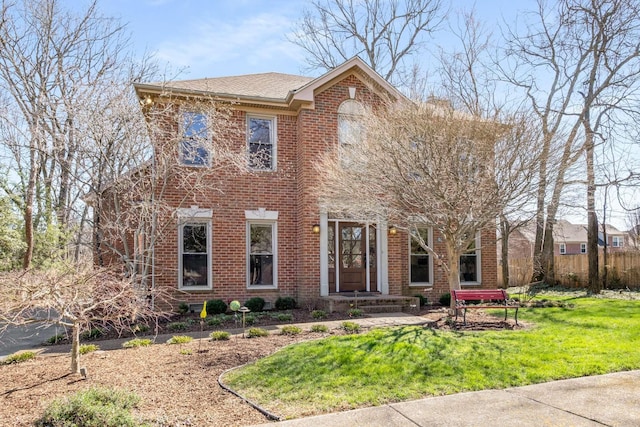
(623, 270)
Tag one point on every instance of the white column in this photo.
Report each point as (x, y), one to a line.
(383, 256)
(324, 255)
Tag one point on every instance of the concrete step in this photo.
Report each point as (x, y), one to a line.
(381, 308)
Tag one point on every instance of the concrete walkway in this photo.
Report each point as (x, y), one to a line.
(604, 400)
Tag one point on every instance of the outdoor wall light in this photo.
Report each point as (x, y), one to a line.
(315, 228)
(393, 230)
(146, 101)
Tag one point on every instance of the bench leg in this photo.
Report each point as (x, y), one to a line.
(464, 317)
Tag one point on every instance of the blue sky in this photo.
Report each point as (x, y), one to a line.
(211, 38)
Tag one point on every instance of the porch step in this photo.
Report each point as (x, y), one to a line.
(381, 308)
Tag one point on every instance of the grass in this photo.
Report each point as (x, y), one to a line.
(594, 337)
(179, 339)
(88, 348)
(137, 342)
(19, 357)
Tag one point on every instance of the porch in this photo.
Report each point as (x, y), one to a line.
(371, 302)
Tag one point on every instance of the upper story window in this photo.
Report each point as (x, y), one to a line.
(470, 263)
(618, 241)
(563, 248)
(420, 270)
(583, 248)
(194, 149)
(350, 127)
(261, 142)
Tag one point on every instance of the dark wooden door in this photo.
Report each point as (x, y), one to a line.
(352, 263)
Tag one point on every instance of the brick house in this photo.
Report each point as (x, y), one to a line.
(569, 239)
(264, 233)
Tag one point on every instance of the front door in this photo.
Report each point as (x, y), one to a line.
(352, 257)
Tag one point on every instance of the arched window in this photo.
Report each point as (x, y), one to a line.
(350, 128)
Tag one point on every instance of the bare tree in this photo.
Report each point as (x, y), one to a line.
(383, 33)
(77, 296)
(578, 67)
(633, 224)
(54, 66)
(423, 165)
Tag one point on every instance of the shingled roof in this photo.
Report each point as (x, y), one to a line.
(275, 86)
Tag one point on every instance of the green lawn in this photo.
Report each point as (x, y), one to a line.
(596, 336)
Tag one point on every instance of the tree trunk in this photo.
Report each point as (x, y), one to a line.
(592, 220)
(546, 258)
(505, 230)
(453, 259)
(75, 349)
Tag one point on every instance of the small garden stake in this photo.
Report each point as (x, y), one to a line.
(203, 315)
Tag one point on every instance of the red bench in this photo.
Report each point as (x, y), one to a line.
(489, 298)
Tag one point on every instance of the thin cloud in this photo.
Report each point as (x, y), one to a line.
(256, 41)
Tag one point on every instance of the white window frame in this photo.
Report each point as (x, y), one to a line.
(583, 248)
(189, 217)
(262, 217)
(478, 255)
(183, 138)
(562, 248)
(617, 241)
(430, 259)
(273, 137)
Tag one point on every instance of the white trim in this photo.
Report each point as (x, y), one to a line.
(194, 212)
(324, 255)
(183, 138)
(478, 252)
(383, 257)
(562, 248)
(181, 225)
(273, 137)
(583, 248)
(261, 213)
(274, 252)
(430, 259)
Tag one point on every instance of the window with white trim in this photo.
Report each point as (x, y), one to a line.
(583, 248)
(420, 262)
(470, 262)
(261, 142)
(350, 127)
(617, 241)
(194, 150)
(195, 254)
(262, 255)
(563, 248)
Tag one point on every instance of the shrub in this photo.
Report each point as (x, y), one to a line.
(284, 317)
(257, 332)
(350, 327)
(91, 334)
(250, 319)
(422, 298)
(255, 304)
(355, 312)
(285, 303)
(177, 326)
(141, 327)
(219, 335)
(445, 300)
(179, 339)
(92, 407)
(318, 314)
(137, 342)
(186, 351)
(319, 328)
(216, 306)
(88, 348)
(214, 321)
(291, 330)
(183, 308)
(56, 339)
(19, 357)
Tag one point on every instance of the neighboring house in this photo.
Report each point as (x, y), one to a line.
(569, 239)
(264, 234)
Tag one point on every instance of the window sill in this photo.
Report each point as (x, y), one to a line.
(194, 288)
(421, 285)
(261, 287)
(470, 283)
